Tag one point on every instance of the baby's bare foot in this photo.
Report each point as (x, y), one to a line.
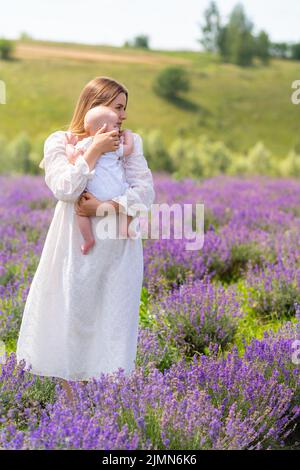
(85, 248)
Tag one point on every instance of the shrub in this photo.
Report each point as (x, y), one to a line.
(290, 166)
(231, 269)
(170, 82)
(155, 151)
(260, 160)
(19, 153)
(6, 49)
(274, 292)
(186, 158)
(215, 156)
(5, 164)
(197, 314)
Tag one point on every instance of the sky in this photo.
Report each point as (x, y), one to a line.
(170, 24)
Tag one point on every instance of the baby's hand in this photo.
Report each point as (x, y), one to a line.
(125, 132)
(73, 153)
(128, 142)
(71, 138)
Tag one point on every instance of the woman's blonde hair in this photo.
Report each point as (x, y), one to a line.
(100, 90)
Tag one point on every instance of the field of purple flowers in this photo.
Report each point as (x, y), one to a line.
(215, 366)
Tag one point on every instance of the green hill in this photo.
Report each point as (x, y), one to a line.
(226, 102)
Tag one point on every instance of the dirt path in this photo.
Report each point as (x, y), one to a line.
(40, 51)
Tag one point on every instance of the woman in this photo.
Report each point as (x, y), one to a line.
(81, 314)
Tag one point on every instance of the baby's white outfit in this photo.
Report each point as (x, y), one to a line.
(109, 178)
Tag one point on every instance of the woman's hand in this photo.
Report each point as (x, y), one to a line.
(87, 205)
(106, 141)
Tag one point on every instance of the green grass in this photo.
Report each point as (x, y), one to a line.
(251, 325)
(236, 105)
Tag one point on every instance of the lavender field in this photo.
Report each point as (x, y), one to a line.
(216, 366)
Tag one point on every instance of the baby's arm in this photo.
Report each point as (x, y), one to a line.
(71, 150)
(73, 153)
(128, 142)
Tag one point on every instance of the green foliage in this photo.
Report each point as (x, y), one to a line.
(217, 327)
(6, 49)
(210, 220)
(296, 51)
(260, 160)
(227, 100)
(24, 36)
(290, 166)
(42, 391)
(277, 302)
(20, 155)
(234, 40)
(185, 157)
(237, 39)
(19, 150)
(146, 319)
(170, 82)
(141, 41)
(280, 50)
(233, 268)
(5, 166)
(200, 158)
(262, 47)
(211, 28)
(169, 354)
(216, 157)
(36, 154)
(250, 325)
(156, 152)
(239, 166)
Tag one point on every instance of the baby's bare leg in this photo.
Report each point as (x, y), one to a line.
(85, 228)
(124, 221)
(133, 224)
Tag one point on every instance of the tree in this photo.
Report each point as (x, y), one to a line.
(141, 41)
(239, 41)
(223, 45)
(234, 41)
(280, 50)
(296, 51)
(170, 82)
(262, 47)
(6, 49)
(25, 36)
(211, 28)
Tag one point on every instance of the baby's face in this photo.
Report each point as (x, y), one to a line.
(112, 124)
(97, 120)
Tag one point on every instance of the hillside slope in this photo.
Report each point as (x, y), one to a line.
(238, 106)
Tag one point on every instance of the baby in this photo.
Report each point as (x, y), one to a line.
(109, 178)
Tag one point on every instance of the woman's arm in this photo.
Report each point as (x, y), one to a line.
(65, 180)
(88, 205)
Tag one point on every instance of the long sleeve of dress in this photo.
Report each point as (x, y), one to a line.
(140, 194)
(66, 181)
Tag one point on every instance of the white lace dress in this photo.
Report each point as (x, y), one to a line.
(82, 311)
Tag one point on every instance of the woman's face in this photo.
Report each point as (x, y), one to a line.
(118, 106)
